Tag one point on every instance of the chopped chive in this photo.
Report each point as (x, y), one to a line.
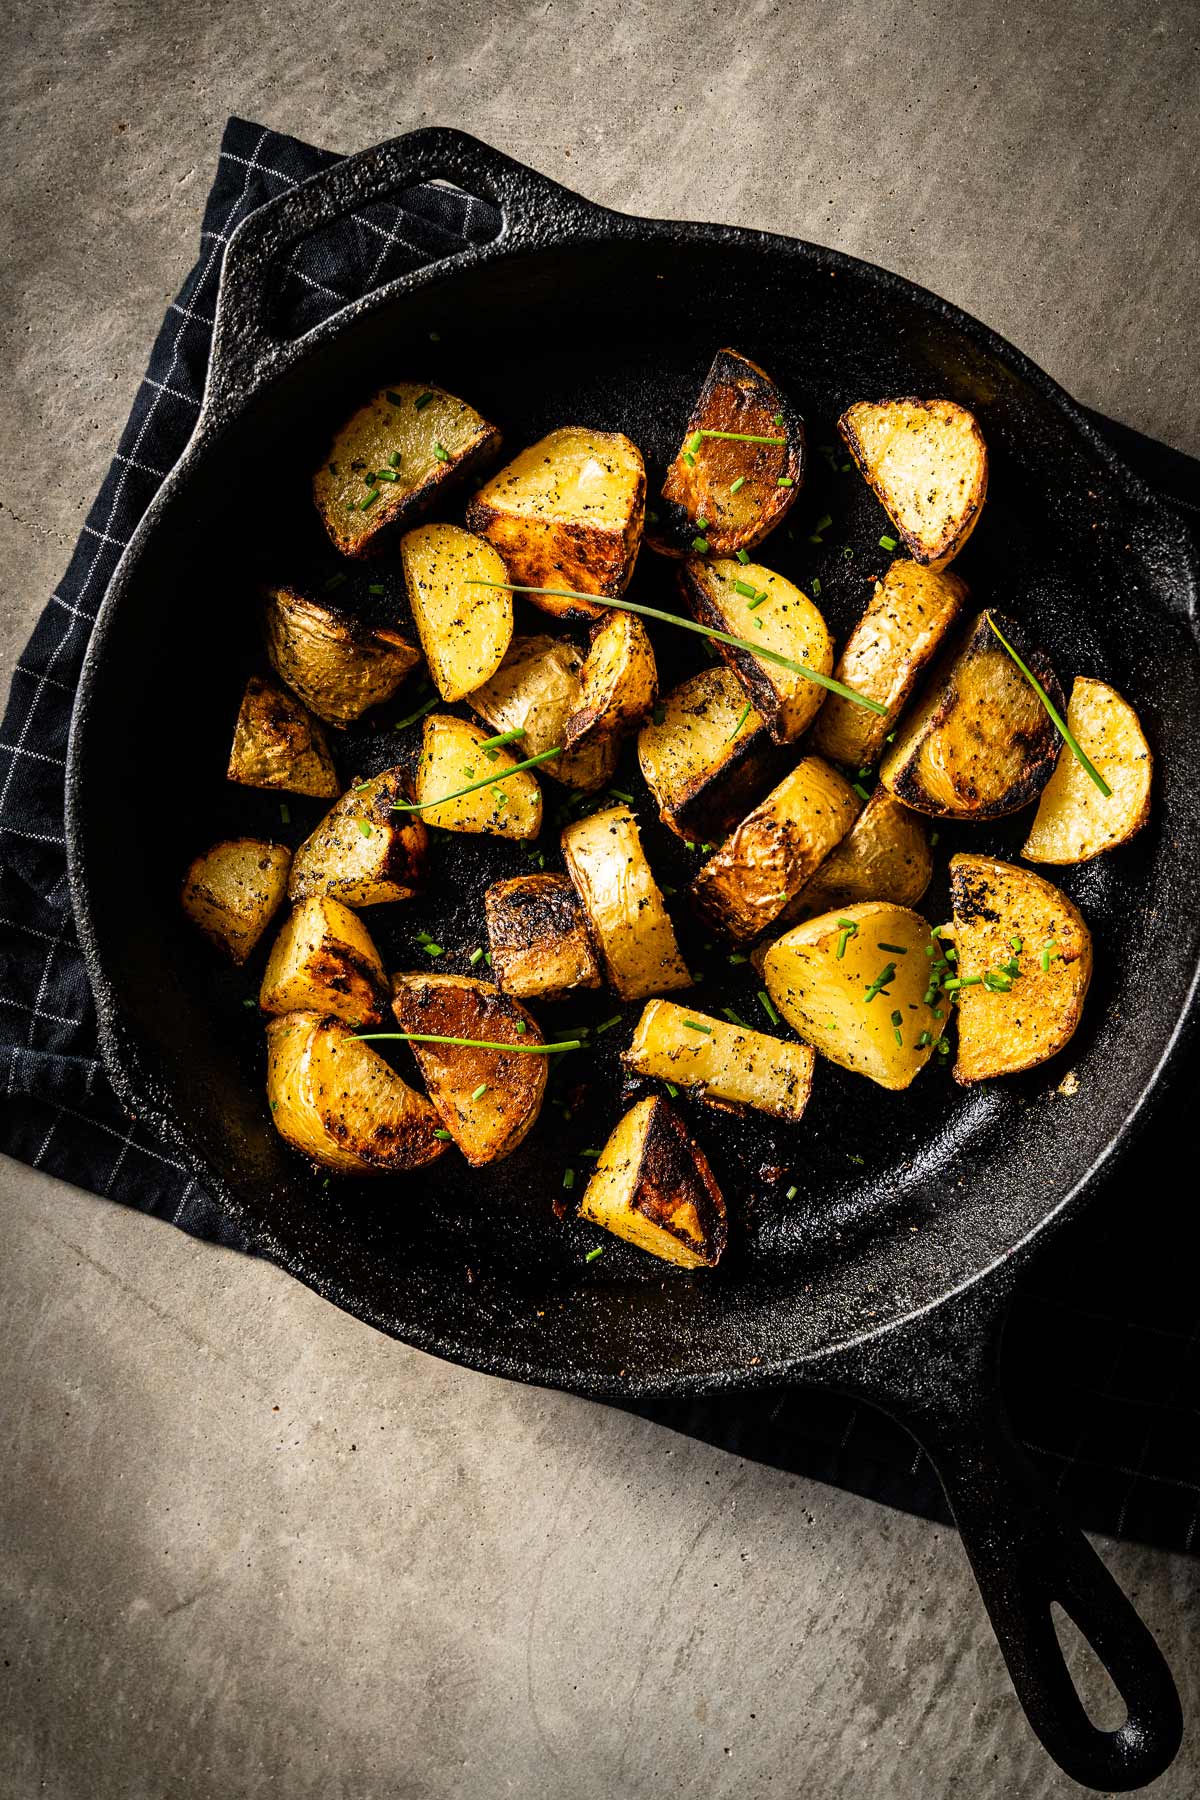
(791, 1193)
(735, 1018)
(651, 516)
(394, 460)
(695, 1025)
(368, 500)
(689, 458)
(887, 543)
(672, 1090)
(434, 1037)
(620, 794)
(924, 1040)
(441, 452)
(502, 737)
(824, 522)
(942, 1047)
(1060, 724)
(848, 553)
(249, 1002)
(694, 442)
(961, 981)
(700, 545)
(862, 792)
(443, 1135)
(785, 481)
(364, 825)
(777, 418)
(376, 587)
(608, 1024)
(816, 538)
(568, 1179)
(433, 950)
(897, 1018)
(898, 1038)
(746, 589)
(934, 836)
(480, 1091)
(476, 956)
(386, 475)
(336, 580)
(929, 996)
(591, 1155)
(929, 949)
(755, 604)
(701, 524)
(521, 1028)
(394, 399)
(741, 437)
(593, 1254)
(285, 812)
(886, 974)
(735, 487)
(846, 930)
(897, 949)
(816, 586)
(422, 400)
(743, 556)
(742, 717)
(997, 983)
(764, 1000)
(736, 956)
(419, 714)
(487, 781)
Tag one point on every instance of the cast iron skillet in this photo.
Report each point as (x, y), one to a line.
(888, 1273)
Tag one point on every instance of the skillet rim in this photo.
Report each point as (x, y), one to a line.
(124, 1059)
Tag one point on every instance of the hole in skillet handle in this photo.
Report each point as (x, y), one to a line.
(513, 208)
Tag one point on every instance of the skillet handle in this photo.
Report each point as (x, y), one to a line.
(533, 211)
(1026, 1552)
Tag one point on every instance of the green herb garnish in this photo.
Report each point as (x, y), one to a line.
(1060, 725)
(434, 1037)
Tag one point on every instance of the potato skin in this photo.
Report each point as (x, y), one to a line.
(618, 683)
(653, 1186)
(338, 665)
(728, 1065)
(928, 466)
(885, 855)
(278, 744)
(324, 961)
(538, 937)
(362, 853)
(465, 629)
(979, 743)
(901, 630)
(624, 904)
(1005, 1033)
(792, 626)
(708, 755)
(450, 747)
(737, 395)
(335, 1099)
(232, 891)
(535, 690)
(1074, 821)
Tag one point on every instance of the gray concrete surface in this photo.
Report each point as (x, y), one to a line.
(247, 1548)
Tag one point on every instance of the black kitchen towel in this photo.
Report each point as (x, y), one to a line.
(1103, 1350)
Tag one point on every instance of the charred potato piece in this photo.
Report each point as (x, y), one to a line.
(979, 744)
(535, 690)
(726, 597)
(277, 744)
(927, 463)
(1012, 1021)
(727, 1063)
(906, 620)
(885, 855)
(336, 664)
(567, 513)
(486, 1099)
(853, 984)
(233, 891)
(1074, 821)
(336, 1100)
(618, 683)
(465, 630)
(707, 754)
(728, 491)
(392, 459)
(363, 853)
(539, 938)
(623, 904)
(452, 758)
(776, 849)
(653, 1187)
(324, 961)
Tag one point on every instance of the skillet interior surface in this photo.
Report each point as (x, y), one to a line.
(900, 1197)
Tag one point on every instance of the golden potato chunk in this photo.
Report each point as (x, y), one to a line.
(336, 1100)
(324, 961)
(731, 1064)
(465, 630)
(232, 892)
(567, 513)
(535, 690)
(1074, 821)
(777, 848)
(853, 985)
(624, 905)
(1025, 959)
(723, 489)
(906, 620)
(277, 744)
(363, 853)
(618, 683)
(706, 755)
(338, 665)
(928, 464)
(653, 1187)
(885, 855)
(748, 601)
(979, 744)
(393, 459)
(487, 1099)
(452, 757)
(538, 937)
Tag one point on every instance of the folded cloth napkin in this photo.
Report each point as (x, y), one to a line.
(1103, 1349)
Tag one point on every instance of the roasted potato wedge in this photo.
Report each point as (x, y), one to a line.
(731, 1064)
(928, 464)
(335, 1099)
(1003, 1029)
(885, 855)
(465, 630)
(904, 625)
(777, 848)
(979, 744)
(653, 1186)
(336, 664)
(567, 513)
(392, 459)
(278, 744)
(539, 938)
(363, 853)
(730, 492)
(618, 683)
(232, 892)
(624, 906)
(707, 754)
(725, 596)
(451, 758)
(827, 981)
(535, 690)
(1074, 822)
(324, 961)
(487, 1099)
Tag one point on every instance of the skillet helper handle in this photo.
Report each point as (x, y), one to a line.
(1027, 1553)
(533, 211)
